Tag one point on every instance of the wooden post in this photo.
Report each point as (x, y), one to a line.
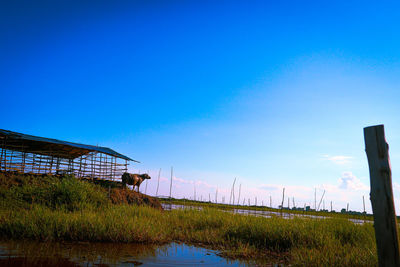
(385, 222)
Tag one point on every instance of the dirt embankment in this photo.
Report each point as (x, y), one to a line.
(123, 195)
(127, 196)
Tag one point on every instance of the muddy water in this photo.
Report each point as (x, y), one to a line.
(24, 253)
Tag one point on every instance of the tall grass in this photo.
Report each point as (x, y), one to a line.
(64, 192)
(68, 209)
(309, 242)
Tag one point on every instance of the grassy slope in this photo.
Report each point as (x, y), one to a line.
(68, 209)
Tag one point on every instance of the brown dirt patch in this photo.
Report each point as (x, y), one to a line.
(127, 196)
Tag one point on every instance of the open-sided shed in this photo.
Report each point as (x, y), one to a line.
(32, 154)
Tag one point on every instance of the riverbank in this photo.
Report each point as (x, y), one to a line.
(71, 210)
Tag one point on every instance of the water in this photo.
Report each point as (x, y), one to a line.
(28, 253)
(260, 213)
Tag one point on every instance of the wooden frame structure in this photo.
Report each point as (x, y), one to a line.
(37, 155)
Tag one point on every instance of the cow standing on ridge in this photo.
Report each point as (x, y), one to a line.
(134, 179)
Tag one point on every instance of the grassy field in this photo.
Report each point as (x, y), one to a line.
(54, 209)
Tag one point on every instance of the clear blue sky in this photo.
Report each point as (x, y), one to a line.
(276, 95)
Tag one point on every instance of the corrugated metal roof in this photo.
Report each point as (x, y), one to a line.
(79, 149)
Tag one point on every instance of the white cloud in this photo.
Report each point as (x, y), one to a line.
(350, 181)
(341, 160)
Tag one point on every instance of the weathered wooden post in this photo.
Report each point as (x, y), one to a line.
(385, 223)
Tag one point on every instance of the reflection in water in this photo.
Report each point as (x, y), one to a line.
(27, 253)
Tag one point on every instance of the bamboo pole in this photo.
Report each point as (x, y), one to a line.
(232, 193)
(315, 199)
(240, 188)
(321, 200)
(170, 185)
(158, 182)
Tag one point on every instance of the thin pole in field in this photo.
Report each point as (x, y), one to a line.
(270, 201)
(283, 197)
(244, 201)
(288, 203)
(232, 193)
(194, 193)
(262, 203)
(209, 197)
(364, 208)
(347, 207)
(321, 200)
(294, 204)
(331, 206)
(364, 204)
(170, 185)
(256, 201)
(216, 195)
(145, 189)
(158, 182)
(315, 199)
(240, 188)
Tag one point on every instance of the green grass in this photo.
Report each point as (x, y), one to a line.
(52, 209)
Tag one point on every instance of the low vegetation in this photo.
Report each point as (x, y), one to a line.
(66, 209)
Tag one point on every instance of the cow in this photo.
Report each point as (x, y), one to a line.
(134, 179)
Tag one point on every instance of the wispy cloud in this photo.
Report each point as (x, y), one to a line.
(183, 181)
(338, 159)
